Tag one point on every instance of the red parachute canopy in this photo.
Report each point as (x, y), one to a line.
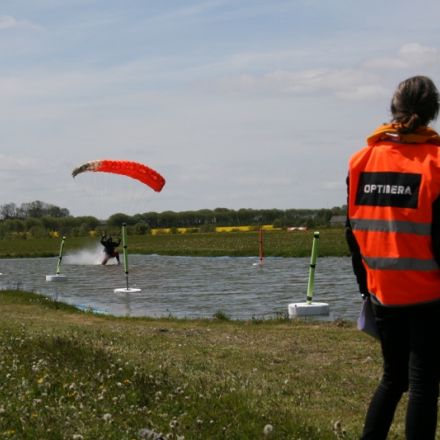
(134, 170)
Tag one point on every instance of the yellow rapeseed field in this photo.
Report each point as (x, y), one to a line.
(156, 231)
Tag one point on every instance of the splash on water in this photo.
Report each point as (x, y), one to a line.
(89, 256)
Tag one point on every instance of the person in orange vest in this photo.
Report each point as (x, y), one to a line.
(393, 232)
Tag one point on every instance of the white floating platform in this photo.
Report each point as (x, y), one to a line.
(56, 277)
(129, 290)
(308, 309)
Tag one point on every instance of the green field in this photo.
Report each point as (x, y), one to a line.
(72, 375)
(276, 243)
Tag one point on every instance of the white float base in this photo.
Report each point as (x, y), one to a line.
(56, 277)
(308, 309)
(129, 290)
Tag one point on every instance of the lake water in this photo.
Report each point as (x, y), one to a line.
(189, 286)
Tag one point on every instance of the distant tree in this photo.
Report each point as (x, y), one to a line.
(224, 217)
(14, 225)
(56, 211)
(168, 219)
(9, 210)
(141, 228)
(150, 218)
(32, 209)
(38, 209)
(88, 222)
(116, 220)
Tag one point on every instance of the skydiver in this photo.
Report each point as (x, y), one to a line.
(110, 248)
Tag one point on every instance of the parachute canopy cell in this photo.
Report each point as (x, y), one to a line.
(135, 170)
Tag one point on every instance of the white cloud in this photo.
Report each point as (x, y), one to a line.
(13, 163)
(367, 81)
(192, 10)
(9, 22)
(409, 56)
(417, 55)
(342, 83)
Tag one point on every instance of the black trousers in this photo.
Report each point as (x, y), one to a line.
(410, 339)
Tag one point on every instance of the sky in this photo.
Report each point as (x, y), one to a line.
(237, 103)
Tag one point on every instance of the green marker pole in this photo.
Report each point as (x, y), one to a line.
(124, 246)
(313, 257)
(60, 256)
(261, 246)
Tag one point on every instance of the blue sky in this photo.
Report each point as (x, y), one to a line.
(237, 103)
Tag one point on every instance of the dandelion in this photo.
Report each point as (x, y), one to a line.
(149, 434)
(268, 430)
(339, 430)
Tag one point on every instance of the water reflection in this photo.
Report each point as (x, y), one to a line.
(190, 286)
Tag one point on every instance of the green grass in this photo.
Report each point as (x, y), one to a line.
(276, 243)
(73, 375)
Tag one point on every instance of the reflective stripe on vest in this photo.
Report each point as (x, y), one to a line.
(391, 226)
(383, 263)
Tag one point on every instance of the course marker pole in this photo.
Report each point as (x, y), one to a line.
(261, 246)
(124, 247)
(58, 276)
(310, 308)
(60, 255)
(125, 256)
(313, 257)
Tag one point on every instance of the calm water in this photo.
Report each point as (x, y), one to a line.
(189, 286)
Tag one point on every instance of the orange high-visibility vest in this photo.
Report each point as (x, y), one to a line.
(392, 187)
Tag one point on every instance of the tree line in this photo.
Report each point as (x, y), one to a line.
(39, 219)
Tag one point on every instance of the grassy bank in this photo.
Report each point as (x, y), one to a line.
(70, 375)
(276, 243)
